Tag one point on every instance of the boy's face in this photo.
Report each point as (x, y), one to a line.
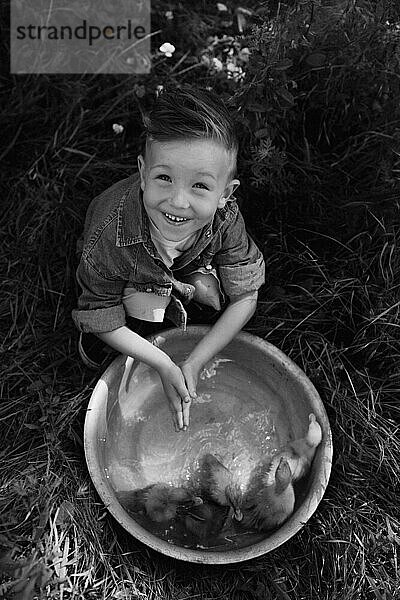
(183, 183)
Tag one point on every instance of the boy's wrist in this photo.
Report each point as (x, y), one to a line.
(193, 361)
(164, 362)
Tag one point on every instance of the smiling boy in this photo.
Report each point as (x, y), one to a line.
(173, 238)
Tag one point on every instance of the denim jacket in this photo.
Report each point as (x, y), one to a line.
(118, 252)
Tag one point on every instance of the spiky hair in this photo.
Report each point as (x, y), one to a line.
(190, 113)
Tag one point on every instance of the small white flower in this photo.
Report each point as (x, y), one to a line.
(167, 49)
(222, 7)
(117, 128)
(169, 15)
(234, 71)
(217, 64)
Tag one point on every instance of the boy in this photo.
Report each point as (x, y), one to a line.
(172, 238)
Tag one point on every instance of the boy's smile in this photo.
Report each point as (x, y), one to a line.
(184, 182)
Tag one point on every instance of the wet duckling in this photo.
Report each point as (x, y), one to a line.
(274, 502)
(163, 502)
(206, 521)
(300, 453)
(219, 484)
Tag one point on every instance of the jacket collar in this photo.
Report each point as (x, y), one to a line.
(132, 225)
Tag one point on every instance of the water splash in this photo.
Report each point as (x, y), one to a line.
(210, 370)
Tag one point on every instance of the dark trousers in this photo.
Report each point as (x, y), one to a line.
(198, 314)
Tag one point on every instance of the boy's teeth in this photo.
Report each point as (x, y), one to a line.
(173, 218)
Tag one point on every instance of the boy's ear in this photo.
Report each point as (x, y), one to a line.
(228, 191)
(142, 169)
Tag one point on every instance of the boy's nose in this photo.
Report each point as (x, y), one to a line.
(179, 200)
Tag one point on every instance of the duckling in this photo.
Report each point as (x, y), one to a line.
(219, 484)
(133, 500)
(206, 521)
(274, 501)
(300, 453)
(163, 502)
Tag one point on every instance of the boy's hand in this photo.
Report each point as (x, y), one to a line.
(191, 373)
(177, 393)
(128, 342)
(236, 314)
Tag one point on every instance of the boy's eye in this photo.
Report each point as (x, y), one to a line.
(163, 177)
(204, 187)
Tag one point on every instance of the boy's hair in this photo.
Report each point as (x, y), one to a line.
(187, 113)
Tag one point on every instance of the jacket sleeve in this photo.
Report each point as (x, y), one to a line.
(100, 307)
(240, 263)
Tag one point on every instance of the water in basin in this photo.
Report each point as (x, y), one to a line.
(236, 417)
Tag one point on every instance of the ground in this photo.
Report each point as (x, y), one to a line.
(331, 303)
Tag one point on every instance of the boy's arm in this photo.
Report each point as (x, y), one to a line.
(101, 312)
(237, 313)
(241, 270)
(128, 342)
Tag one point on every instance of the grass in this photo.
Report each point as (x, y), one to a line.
(331, 303)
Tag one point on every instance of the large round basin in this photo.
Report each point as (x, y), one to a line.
(252, 400)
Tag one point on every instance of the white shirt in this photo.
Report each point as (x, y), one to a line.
(148, 306)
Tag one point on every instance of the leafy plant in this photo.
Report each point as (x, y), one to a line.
(319, 108)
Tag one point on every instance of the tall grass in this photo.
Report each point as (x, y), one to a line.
(331, 303)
